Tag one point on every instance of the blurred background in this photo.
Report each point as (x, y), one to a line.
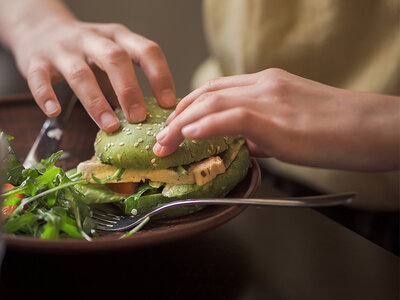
(176, 25)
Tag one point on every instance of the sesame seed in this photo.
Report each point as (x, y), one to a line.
(153, 160)
(140, 140)
(147, 147)
(138, 128)
(140, 124)
(112, 144)
(134, 211)
(121, 144)
(128, 133)
(158, 116)
(155, 165)
(194, 141)
(136, 144)
(105, 148)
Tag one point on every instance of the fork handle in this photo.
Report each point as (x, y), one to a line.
(311, 201)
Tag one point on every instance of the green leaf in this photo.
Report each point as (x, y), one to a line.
(181, 171)
(22, 222)
(132, 200)
(136, 229)
(106, 179)
(13, 167)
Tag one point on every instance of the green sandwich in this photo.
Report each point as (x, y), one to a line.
(125, 169)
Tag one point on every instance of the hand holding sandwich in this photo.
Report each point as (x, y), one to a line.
(293, 119)
(49, 44)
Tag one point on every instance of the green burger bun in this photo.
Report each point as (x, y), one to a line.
(198, 168)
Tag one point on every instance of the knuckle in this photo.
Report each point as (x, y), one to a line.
(276, 86)
(242, 114)
(41, 92)
(211, 84)
(273, 72)
(127, 92)
(78, 72)
(151, 49)
(115, 54)
(95, 104)
(117, 27)
(34, 73)
(212, 100)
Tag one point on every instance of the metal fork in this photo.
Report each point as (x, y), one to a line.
(107, 221)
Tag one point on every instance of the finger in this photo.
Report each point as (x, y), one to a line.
(39, 81)
(83, 82)
(235, 121)
(150, 57)
(212, 85)
(255, 150)
(206, 104)
(115, 61)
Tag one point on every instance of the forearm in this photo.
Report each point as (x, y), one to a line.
(19, 17)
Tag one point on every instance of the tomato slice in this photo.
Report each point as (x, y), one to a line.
(7, 210)
(123, 188)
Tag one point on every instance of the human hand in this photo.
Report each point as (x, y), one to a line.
(67, 49)
(291, 118)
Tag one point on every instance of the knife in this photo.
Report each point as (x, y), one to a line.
(49, 138)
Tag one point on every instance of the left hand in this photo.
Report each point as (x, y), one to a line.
(291, 118)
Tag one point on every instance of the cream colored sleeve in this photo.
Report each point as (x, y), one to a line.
(347, 44)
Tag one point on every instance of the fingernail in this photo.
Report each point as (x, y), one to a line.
(50, 106)
(170, 117)
(168, 97)
(162, 135)
(190, 130)
(137, 114)
(108, 120)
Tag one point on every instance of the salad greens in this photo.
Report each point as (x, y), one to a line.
(51, 207)
(45, 201)
(118, 173)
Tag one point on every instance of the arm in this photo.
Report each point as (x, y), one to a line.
(293, 119)
(49, 43)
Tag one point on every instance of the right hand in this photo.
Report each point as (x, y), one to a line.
(68, 48)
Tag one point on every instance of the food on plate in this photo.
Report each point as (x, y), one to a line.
(125, 160)
(42, 201)
(46, 202)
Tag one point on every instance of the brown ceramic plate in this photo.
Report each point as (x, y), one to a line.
(20, 117)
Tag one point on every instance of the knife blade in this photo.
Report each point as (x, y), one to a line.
(49, 138)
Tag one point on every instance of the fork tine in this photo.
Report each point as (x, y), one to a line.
(100, 227)
(104, 221)
(104, 224)
(107, 217)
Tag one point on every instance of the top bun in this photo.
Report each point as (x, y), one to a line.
(132, 145)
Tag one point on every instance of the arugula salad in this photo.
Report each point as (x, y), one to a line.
(44, 201)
